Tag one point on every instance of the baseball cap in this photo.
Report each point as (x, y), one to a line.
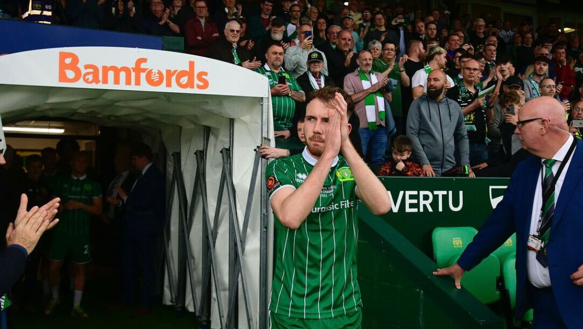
(514, 81)
(315, 56)
(347, 16)
(278, 22)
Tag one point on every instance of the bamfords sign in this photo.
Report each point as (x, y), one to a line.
(130, 69)
(72, 69)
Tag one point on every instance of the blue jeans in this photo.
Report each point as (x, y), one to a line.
(378, 144)
(478, 153)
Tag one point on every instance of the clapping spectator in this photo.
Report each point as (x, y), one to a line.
(332, 41)
(228, 49)
(565, 74)
(124, 16)
(296, 57)
(342, 60)
(230, 10)
(379, 32)
(200, 32)
(259, 25)
(179, 15)
(375, 47)
(158, 23)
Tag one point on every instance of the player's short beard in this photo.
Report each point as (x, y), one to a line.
(277, 36)
(315, 151)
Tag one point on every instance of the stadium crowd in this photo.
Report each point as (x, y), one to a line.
(383, 56)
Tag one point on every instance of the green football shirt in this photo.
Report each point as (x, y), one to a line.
(315, 273)
(83, 189)
(284, 107)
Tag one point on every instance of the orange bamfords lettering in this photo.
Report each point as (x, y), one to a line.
(70, 71)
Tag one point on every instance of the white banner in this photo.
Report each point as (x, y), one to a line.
(114, 68)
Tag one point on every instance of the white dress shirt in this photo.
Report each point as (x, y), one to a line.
(537, 274)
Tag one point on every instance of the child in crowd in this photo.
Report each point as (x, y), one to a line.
(399, 165)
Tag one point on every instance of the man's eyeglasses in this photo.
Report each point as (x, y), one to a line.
(235, 31)
(521, 123)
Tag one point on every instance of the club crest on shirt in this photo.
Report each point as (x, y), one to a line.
(344, 174)
(272, 184)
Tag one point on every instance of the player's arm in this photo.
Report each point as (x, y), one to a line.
(292, 206)
(370, 189)
(93, 209)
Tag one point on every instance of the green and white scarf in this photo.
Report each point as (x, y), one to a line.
(534, 86)
(313, 81)
(4, 303)
(369, 100)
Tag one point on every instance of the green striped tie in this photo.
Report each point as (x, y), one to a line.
(548, 210)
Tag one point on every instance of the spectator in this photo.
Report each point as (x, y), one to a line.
(415, 52)
(525, 53)
(354, 12)
(478, 35)
(452, 43)
(398, 78)
(269, 152)
(376, 48)
(30, 11)
(320, 32)
(490, 57)
(532, 83)
(332, 41)
(512, 49)
(228, 49)
(296, 57)
(402, 36)
(200, 32)
(348, 24)
(574, 47)
(312, 16)
(565, 74)
(285, 92)
(342, 60)
(88, 14)
(259, 25)
(276, 35)
(431, 29)
(291, 27)
(285, 8)
(158, 22)
(81, 197)
(578, 69)
(399, 165)
(314, 78)
(179, 15)
(455, 72)
(379, 31)
(436, 126)
(506, 33)
(365, 25)
(474, 109)
(419, 31)
(144, 207)
(228, 12)
(549, 88)
(366, 89)
(124, 16)
(576, 114)
(436, 60)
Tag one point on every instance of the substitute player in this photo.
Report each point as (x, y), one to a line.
(80, 198)
(313, 196)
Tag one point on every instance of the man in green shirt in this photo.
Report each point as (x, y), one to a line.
(283, 96)
(80, 199)
(313, 196)
(397, 78)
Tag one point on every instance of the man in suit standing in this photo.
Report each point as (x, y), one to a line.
(548, 226)
(144, 211)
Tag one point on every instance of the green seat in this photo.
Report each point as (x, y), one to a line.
(505, 250)
(448, 245)
(449, 242)
(509, 276)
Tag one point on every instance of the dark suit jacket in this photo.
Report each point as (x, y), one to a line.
(223, 51)
(12, 265)
(145, 204)
(565, 255)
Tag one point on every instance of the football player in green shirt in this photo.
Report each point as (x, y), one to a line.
(80, 199)
(313, 196)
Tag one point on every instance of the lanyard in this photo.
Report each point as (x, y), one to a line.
(555, 179)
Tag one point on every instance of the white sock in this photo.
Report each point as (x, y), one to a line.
(55, 292)
(77, 298)
(46, 287)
